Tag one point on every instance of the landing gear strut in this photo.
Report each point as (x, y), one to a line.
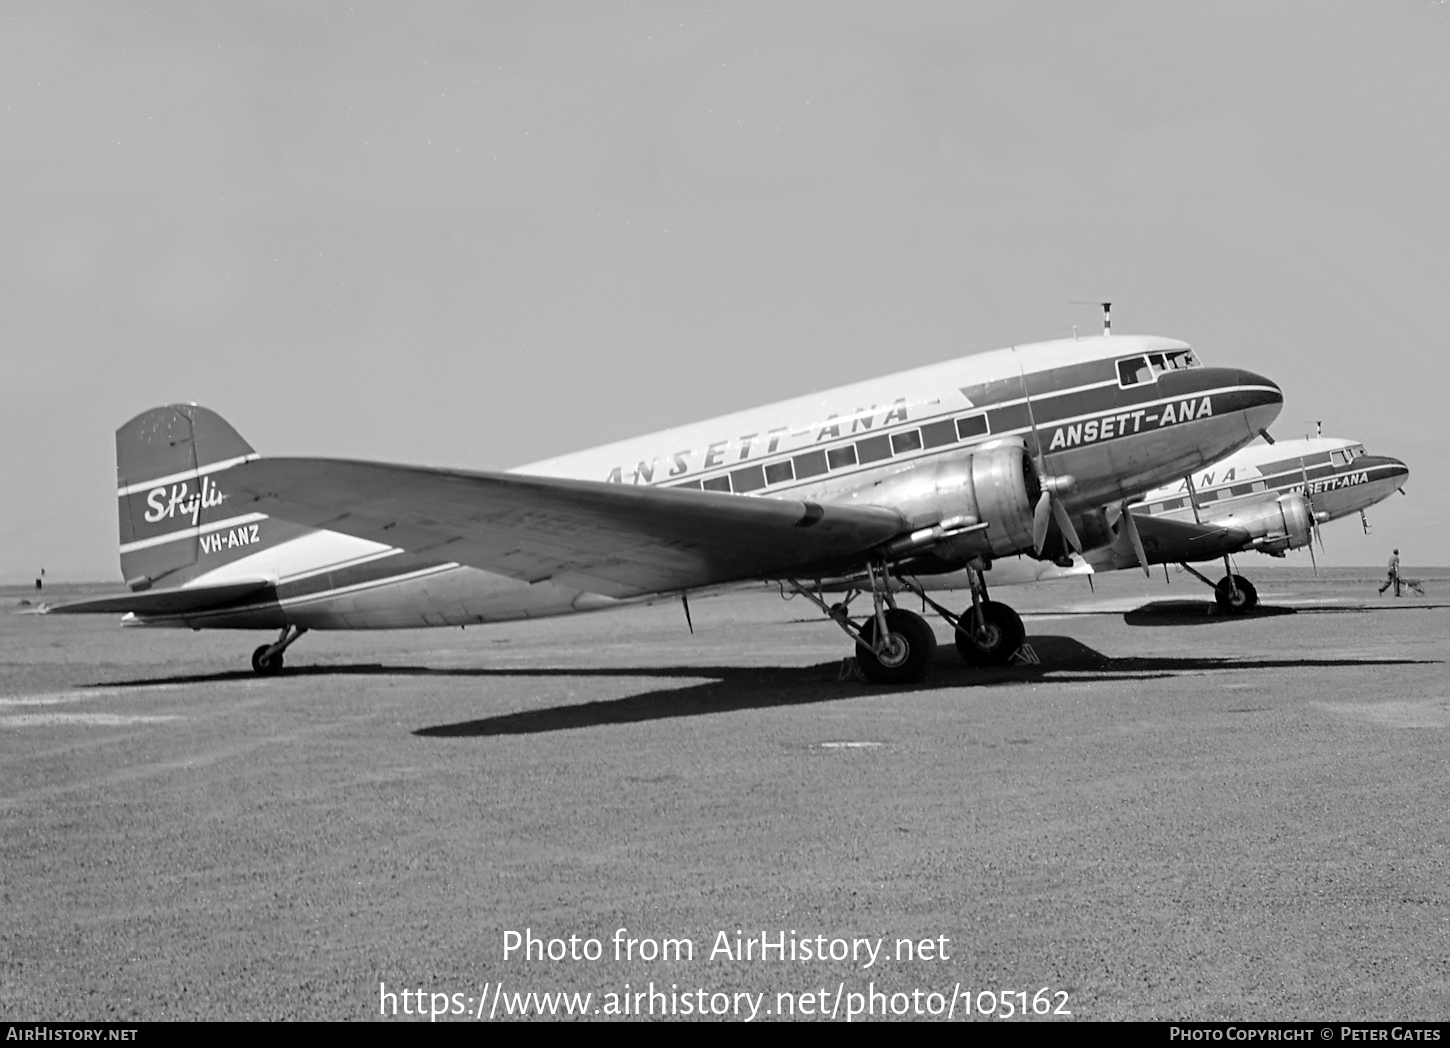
(893, 645)
(996, 640)
(904, 656)
(1234, 594)
(267, 660)
(987, 633)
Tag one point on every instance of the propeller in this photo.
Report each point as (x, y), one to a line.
(1314, 532)
(1131, 527)
(1049, 504)
(1192, 497)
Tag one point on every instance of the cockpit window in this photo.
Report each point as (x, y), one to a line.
(1134, 371)
(1356, 451)
(1339, 458)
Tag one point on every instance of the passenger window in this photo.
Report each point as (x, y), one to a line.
(779, 472)
(910, 440)
(1134, 371)
(971, 426)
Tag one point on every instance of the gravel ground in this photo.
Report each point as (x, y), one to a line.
(1232, 819)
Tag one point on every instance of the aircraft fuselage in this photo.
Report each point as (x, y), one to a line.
(1120, 415)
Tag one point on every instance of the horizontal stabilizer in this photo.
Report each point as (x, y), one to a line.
(164, 601)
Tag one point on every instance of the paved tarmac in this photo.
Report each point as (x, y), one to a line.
(1175, 815)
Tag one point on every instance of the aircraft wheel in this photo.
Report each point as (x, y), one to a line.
(910, 646)
(1004, 634)
(1236, 603)
(264, 666)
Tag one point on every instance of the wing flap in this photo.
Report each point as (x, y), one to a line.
(615, 539)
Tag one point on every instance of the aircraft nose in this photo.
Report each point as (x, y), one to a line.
(1260, 397)
(1266, 390)
(1382, 467)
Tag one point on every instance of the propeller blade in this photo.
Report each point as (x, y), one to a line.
(1039, 521)
(1312, 561)
(1064, 522)
(1131, 526)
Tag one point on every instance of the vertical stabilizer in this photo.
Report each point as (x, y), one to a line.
(169, 462)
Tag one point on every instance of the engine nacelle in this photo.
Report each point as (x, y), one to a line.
(997, 486)
(1284, 524)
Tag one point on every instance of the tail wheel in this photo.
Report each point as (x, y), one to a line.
(904, 658)
(1236, 596)
(1002, 635)
(264, 665)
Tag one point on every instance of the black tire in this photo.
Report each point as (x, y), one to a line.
(1004, 635)
(909, 663)
(1246, 598)
(263, 666)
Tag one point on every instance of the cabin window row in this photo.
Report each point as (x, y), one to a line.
(863, 452)
(1211, 495)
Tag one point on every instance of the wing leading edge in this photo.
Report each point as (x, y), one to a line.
(614, 539)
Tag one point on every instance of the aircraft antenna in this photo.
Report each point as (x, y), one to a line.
(1107, 308)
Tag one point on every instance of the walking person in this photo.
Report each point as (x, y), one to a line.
(1393, 578)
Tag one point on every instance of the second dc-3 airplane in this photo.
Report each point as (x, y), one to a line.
(1268, 498)
(870, 487)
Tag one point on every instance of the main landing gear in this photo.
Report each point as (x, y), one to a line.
(267, 660)
(1234, 594)
(986, 634)
(895, 646)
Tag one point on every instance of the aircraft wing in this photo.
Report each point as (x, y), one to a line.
(615, 539)
(1167, 540)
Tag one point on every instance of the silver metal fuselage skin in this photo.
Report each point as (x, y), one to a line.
(1117, 438)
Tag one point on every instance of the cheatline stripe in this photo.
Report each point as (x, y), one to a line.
(1051, 394)
(186, 474)
(188, 533)
(921, 455)
(366, 558)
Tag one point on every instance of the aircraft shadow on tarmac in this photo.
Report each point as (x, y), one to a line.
(1195, 613)
(728, 688)
(737, 688)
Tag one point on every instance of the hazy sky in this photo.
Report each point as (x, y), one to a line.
(478, 234)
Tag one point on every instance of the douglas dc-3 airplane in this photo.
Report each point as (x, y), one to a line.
(933, 471)
(1267, 497)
